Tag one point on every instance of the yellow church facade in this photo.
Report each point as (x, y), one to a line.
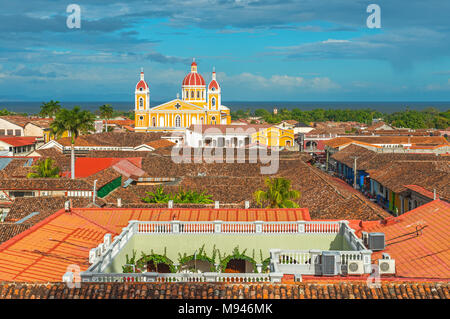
(199, 104)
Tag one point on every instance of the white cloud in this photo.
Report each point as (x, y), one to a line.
(280, 82)
(335, 41)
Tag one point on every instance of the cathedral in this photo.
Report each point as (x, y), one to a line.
(198, 105)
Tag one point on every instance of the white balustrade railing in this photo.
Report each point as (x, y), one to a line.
(175, 226)
(181, 277)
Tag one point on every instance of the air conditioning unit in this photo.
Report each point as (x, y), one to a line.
(386, 266)
(355, 267)
(365, 238)
(376, 241)
(330, 263)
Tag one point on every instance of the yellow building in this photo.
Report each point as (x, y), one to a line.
(198, 105)
(273, 136)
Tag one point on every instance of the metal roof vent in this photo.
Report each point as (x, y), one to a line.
(376, 241)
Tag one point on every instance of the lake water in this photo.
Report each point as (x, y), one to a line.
(387, 107)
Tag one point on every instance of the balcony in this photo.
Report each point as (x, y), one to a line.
(286, 248)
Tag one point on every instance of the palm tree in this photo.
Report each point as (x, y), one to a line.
(278, 194)
(75, 122)
(106, 112)
(44, 169)
(50, 109)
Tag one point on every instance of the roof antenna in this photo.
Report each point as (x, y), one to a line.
(142, 69)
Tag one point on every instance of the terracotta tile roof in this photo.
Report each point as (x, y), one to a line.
(420, 190)
(368, 159)
(425, 140)
(116, 139)
(23, 120)
(426, 174)
(42, 252)
(120, 122)
(419, 241)
(19, 140)
(16, 119)
(9, 230)
(303, 290)
(46, 206)
(16, 168)
(103, 177)
(160, 143)
(326, 197)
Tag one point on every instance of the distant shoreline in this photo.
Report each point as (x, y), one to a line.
(386, 106)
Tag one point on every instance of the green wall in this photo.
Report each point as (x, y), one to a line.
(188, 243)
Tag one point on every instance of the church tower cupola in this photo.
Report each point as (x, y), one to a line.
(214, 94)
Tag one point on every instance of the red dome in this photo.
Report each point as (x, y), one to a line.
(213, 84)
(142, 84)
(193, 78)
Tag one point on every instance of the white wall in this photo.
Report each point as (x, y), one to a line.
(5, 125)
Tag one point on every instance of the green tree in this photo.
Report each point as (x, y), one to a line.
(50, 109)
(75, 121)
(278, 194)
(106, 112)
(44, 169)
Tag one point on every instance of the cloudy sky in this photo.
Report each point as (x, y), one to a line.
(279, 50)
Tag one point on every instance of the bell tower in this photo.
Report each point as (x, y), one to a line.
(214, 94)
(141, 103)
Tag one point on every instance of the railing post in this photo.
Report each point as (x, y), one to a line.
(301, 226)
(366, 258)
(175, 226)
(259, 268)
(218, 226)
(258, 226)
(134, 227)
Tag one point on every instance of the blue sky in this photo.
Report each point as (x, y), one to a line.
(297, 50)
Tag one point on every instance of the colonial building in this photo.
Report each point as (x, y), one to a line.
(198, 105)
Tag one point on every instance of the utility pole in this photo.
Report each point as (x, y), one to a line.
(355, 172)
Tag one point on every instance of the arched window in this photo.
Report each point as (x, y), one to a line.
(161, 121)
(213, 101)
(203, 95)
(192, 94)
(198, 95)
(177, 121)
(140, 89)
(141, 102)
(213, 120)
(154, 121)
(201, 120)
